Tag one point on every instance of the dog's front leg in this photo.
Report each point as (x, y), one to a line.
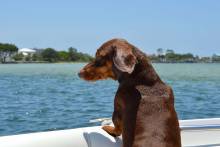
(117, 121)
(117, 129)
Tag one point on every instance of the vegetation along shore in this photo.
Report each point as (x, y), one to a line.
(9, 53)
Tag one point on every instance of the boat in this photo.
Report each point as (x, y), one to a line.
(194, 133)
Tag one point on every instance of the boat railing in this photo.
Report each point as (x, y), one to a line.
(108, 121)
(200, 127)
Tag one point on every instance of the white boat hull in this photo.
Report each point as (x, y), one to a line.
(199, 132)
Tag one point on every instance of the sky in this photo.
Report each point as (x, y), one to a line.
(184, 26)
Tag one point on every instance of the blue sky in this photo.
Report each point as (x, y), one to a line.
(185, 26)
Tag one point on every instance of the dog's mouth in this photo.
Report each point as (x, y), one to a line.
(89, 77)
(93, 77)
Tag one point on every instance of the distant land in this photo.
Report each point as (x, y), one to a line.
(169, 56)
(9, 53)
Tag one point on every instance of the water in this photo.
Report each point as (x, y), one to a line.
(42, 97)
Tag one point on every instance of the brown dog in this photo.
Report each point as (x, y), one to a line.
(144, 105)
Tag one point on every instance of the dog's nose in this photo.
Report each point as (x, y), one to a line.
(80, 74)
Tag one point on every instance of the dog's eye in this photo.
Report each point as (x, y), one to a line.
(99, 62)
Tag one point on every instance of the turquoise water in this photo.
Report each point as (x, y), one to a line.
(42, 97)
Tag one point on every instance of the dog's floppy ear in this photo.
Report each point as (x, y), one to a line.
(124, 59)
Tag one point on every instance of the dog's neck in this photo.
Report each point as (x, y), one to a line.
(143, 73)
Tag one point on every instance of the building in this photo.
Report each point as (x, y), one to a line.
(26, 51)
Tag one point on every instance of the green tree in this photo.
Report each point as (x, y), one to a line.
(169, 51)
(63, 56)
(34, 57)
(187, 57)
(28, 58)
(7, 50)
(37, 56)
(73, 55)
(50, 55)
(171, 57)
(18, 57)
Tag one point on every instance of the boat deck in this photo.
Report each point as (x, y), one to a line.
(194, 133)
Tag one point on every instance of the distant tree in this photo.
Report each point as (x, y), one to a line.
(160, 54)
(84, 57)
(7, 50)
(18, 57)
(88, 57)
(63, 56)
(50, 55)
(173, 57)
(159, 51)
(34, 57)
(170, 56)
(154, 58)
(37, 56)
(28, 58)
(188, 56)
(169, 51)
(73, 56)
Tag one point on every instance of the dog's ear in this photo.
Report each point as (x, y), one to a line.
(124, 59)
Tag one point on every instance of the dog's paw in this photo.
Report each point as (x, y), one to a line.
(111, 131)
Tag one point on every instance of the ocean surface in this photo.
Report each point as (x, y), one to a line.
(43, 97)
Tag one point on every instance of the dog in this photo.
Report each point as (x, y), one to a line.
(144, 110)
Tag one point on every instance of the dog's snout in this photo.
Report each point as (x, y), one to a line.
(80, 73)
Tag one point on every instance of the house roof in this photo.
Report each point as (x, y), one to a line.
(26, 50)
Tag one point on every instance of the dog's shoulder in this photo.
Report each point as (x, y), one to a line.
(158, 91)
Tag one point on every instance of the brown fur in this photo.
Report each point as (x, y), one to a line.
(144, 105)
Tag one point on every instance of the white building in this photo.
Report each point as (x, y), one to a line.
(26, 51)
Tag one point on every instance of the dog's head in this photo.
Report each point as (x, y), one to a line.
(116, 53)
